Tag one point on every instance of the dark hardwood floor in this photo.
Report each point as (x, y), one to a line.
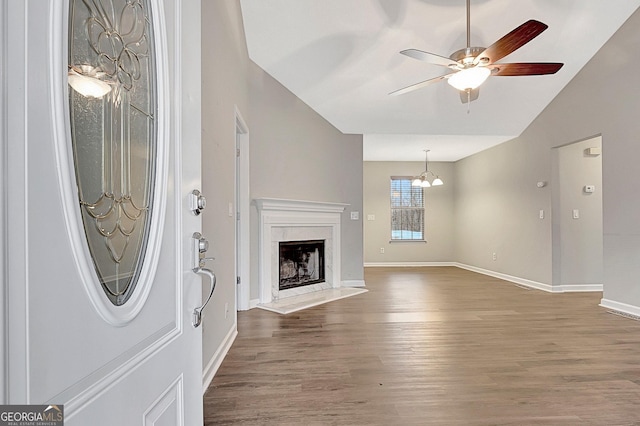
(433, 346)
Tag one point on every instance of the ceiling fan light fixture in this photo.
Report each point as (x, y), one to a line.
(469, 78)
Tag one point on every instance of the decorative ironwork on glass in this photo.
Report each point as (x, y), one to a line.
(113, 104)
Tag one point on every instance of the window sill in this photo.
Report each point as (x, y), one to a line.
(407, 241)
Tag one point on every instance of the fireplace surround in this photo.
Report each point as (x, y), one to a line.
(294, 220)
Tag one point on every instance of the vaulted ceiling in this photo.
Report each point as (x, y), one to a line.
(341, 57)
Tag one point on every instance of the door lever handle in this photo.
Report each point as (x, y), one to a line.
(197, 312)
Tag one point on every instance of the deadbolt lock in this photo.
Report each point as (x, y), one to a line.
(197, 202)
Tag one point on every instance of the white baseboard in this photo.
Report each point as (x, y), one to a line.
(353, 283)
(622, 308)
(568, 288)
(216, 360)
(253, 303)
(406, 264)
(517, 280)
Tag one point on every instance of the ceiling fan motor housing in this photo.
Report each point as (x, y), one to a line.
(466, 56)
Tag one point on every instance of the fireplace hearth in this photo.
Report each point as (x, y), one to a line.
(301, 263)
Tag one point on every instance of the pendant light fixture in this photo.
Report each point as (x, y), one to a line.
(423, 179)
(88, 81)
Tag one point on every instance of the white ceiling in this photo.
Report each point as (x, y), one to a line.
(341, 57)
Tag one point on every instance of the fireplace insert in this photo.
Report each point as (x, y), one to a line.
(301, 263)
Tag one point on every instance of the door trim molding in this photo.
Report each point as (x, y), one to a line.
(243, 186)
(4, 323)
(15, 286)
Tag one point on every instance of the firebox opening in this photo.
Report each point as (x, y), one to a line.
(301, 263)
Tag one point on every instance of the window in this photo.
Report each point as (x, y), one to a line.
(113, 109)
(407, 210)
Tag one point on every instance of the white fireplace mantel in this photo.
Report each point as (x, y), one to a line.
(282, 220)
(277, 204)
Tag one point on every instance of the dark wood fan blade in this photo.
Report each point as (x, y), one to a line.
(469, 96)
(512, 41)
(418, 85)
(431, 58)
(525, 68)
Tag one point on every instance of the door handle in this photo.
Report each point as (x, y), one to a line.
(197, 312)
(200, 247)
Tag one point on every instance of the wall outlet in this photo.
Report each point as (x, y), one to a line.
(381, 250)
(495, 256)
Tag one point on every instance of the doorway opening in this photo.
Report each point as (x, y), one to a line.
(577, 226)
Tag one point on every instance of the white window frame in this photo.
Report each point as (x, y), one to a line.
(411, 208)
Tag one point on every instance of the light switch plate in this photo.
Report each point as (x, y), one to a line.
(355, 215)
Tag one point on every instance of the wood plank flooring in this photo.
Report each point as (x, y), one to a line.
(433, 346)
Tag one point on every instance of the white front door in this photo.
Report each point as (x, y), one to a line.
(115, 346)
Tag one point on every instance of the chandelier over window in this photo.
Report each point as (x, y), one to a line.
(423, 179)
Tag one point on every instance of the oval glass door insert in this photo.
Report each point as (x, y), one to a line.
(113, 105)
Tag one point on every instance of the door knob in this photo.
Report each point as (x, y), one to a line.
(200, 247)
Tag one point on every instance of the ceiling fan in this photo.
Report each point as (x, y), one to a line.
(471, 66)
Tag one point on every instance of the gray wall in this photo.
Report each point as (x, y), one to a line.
(497, 210)
(498, 202)
(294, 154)
(439, 223)
(224, 85)
(603, 99)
